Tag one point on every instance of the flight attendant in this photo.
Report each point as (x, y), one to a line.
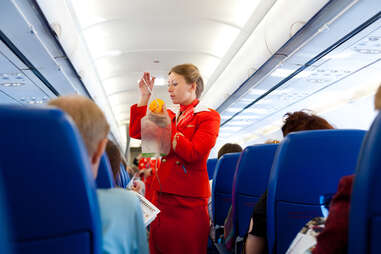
(181, 188)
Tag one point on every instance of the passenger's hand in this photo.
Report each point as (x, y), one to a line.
(147, 172)
(136, 187)
(145, 81)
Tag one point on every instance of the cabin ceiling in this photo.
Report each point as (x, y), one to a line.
(112, 43)
(126, 38)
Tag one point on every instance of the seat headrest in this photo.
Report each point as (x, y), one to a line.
(314, 161)
(47, 176)
(123, 177)
(253, 170)
(105, 178)
(224, 173)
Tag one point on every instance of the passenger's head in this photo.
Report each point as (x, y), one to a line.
(185, 84)
(91, 123)
(114, 157)
(229, 148)
(377, 99)
(302, 121)
(272, 141)
(132, 170)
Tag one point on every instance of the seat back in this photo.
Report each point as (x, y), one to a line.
(211, 165)
(53, 207)
(250, 182)
(222, 186)
(5, 232)
(307, 166)
(123, 178)
(105, 178)
(365, 211)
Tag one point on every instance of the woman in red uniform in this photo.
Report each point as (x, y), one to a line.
(181, 186)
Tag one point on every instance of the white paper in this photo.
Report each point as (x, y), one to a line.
(149, 210)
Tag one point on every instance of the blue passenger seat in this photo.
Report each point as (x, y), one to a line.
(365, 211)
(105, 179)
(250, 182)
(211, 165)
(5, 232)
(307, 166)
(222, 187)
(53, 207)
(123, 178)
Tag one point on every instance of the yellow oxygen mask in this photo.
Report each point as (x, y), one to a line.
(157, 106)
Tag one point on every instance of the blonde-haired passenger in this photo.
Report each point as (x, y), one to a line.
(122, 222)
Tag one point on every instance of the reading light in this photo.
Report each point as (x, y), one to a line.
(9, 84)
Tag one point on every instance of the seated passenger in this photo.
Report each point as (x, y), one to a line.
(272, 141)
(122, 222)
(334, 237)
(256, 242)
(229, 148)
(132, 170)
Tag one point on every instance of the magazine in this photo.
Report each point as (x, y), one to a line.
(149, 210)
(305, 240)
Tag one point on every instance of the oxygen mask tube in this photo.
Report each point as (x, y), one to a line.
(157, 156)
(149, 89)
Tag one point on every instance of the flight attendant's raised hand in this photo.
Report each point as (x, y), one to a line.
(145, 93)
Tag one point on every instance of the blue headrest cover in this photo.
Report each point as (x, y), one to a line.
(105, 179)
(314, 161)
(47, 175)
(224, 173)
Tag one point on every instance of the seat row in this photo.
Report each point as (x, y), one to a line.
(299, 174)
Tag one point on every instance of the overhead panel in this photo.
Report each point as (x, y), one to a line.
(16, 84)
(27, 34)
(342, 72)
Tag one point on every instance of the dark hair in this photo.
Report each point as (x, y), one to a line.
(229, 148)
(301, 121)
(191, 75)
(114, 157)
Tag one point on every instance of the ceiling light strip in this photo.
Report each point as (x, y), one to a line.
(310, 62)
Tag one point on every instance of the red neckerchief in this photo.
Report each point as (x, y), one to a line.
(187, 113)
